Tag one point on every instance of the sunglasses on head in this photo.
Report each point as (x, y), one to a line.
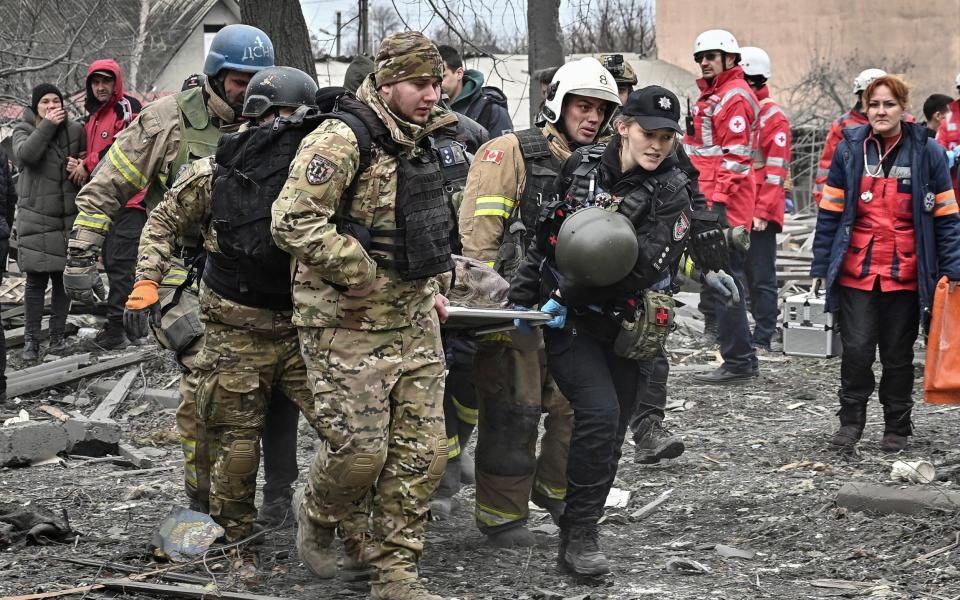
(710, 56)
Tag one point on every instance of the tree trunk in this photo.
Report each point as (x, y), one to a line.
(284, 23)
(544, 49)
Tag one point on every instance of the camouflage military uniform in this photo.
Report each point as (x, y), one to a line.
(245, 353)
(141, 156)
(512, 385)
(374, 363)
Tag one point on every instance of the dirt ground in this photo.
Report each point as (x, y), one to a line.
(757, 476)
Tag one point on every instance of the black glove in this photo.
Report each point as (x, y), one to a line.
(81, 279)
(708, 245)
(142, 309)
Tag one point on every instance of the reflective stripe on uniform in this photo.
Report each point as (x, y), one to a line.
(735, 166)
(453, 447)
(189, 460)
(494, 206)
(175, 276)
(739, 150)
(776, 161)
(466, 414)
(692, 150)
(491, 517)
(497, 337)
(119, 160)
(770, 112)
(832, 199)
(945, 204)
(774, 180)
(553, 493)
(98, 222)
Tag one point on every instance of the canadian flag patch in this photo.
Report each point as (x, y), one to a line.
(494, 156)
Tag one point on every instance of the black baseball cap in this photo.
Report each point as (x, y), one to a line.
(654, 107)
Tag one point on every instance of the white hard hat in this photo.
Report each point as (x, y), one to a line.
(583, 77)
(716, 39)
(865, 78)
(755, 61)
(958, 80)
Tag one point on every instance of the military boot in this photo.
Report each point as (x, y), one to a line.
(580, 550)
(277, 511)
(517, 536)
(58, 341)
(853, 416)
(314, 543)
(31, 347)
(111, 336)
(408, 589)
(654, 442)
(443, 504)
(356, 567)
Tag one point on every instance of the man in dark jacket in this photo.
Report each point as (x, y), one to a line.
(109, 111)
(8, 202)
(468, 96)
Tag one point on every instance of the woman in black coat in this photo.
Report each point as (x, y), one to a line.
(47, 146)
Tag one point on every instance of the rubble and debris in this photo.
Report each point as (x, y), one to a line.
(884, 499)
(914, 471)
(17, 387)
(115, 397)
(31, 524)
(686, 566)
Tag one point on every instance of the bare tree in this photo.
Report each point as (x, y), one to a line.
(614, 26)
(544, 49)
(384, 22)
(284, 23)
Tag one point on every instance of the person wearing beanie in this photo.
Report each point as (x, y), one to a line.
(370, 269)
(48, 146)
(357, 71)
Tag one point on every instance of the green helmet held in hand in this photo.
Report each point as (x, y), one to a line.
(596, 247)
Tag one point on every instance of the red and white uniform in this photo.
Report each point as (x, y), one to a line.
(851, 118)
(948, 135)
(772, 162)
(721, 147)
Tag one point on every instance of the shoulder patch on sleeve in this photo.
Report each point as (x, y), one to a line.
(680, 227)
(494, 156)
(319, 170)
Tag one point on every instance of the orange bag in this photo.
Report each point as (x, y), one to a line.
(941, 376)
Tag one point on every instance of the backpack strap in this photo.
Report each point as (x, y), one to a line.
(533, 144)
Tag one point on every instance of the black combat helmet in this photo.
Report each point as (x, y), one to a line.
(274, 87)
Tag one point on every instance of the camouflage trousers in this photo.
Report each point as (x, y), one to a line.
(513, 390)
(377, 407)
(236, 371)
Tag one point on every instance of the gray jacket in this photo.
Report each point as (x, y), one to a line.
(46, 207)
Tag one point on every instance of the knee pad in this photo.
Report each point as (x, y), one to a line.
(362, 468)
(438, 462)
(243, 458)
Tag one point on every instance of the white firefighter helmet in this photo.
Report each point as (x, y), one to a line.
(583, 77)
(755, 61)
(865, 78)
(716, 39)
(958, 81)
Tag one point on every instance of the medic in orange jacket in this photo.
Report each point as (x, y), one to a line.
(722, 144)
(773, 160)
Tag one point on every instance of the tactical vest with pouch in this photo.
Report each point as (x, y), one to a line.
(520, 228)
(252, 167)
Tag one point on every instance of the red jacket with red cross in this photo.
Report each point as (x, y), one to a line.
(772, 161)
(722, 144)
(949, 136)
(851, 118)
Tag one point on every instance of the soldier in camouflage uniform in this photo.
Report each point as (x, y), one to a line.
(166, 136)
(371, 247)
(250, 345)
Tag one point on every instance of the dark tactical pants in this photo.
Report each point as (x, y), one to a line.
(120, 259)
(602, 389)
(761, 272)
(513, 390)
(733, 327)
(870, 320)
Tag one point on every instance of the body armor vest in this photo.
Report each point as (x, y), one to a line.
(520, 229)
(252, 167)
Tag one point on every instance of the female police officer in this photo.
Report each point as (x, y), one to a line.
(605, 250)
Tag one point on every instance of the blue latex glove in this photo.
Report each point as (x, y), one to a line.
(952, 156)
(558, 311)
(724, 285)
(522, 325)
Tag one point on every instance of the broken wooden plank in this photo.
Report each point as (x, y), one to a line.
(116, 395)
(164, 398)
(17, 388)
(127, 569)
(135, 456)
(55, 412)
(69, 363)
(649, 508)
(179, 591)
